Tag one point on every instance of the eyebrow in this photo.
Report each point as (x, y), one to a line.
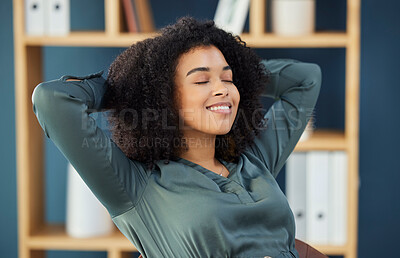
(205, 69)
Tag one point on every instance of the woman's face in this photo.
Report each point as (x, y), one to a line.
(207, 98)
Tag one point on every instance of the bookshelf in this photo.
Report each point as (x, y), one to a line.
(36, 235)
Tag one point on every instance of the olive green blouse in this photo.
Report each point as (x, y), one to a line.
(179, 208)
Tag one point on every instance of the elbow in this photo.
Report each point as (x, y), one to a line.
(38, 96)
(40, 105)
(41, 98)
(45, 99)
(313, 83)
(37, 93)
(313, 75)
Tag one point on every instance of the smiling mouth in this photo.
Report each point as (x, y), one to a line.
(220, 109)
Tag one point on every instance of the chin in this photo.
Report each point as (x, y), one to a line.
(222, 131)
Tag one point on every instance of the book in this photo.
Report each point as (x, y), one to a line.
(144, 15)
(130, 16)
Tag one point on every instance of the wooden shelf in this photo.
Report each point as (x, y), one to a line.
(102, 39)
(315, 40)
(88, 39)
(323, 140)
(55, 237)
(34, 239)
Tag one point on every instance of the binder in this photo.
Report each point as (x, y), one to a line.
(34, 17)
(338, 198)
(296, 188)
(58, 17)
(317, 197)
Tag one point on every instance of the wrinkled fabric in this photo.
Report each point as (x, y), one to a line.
(179, 208)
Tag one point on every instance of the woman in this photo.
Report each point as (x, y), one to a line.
(190, 170)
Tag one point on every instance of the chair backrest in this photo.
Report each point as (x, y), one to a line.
(304, 250)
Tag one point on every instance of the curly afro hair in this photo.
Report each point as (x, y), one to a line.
(141, 92)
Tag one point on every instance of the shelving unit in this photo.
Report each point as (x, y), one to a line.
(36, 235)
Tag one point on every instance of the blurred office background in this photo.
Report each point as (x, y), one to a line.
(379, 206)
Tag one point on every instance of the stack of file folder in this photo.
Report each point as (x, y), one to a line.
(316, 188)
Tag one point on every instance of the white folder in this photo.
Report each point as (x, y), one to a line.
(296, 189)
(231, 15)
(34, 17)
(58, 18)
(338, 198)
(317, 197)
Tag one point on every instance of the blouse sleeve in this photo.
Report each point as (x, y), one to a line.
(295, 87)
(62, 108)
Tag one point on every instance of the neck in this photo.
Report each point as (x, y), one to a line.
(201, 148)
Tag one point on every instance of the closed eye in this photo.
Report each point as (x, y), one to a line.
(201, 82)
(227, 81)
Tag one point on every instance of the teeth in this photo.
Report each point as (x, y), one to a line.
(219, 108)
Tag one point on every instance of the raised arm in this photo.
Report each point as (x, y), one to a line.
(295, 87)
(62, 108)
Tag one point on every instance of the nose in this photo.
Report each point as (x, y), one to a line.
(221, 89)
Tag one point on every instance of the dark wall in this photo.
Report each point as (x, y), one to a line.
(379, 208)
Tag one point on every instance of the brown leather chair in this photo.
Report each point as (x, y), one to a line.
(304, 250)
